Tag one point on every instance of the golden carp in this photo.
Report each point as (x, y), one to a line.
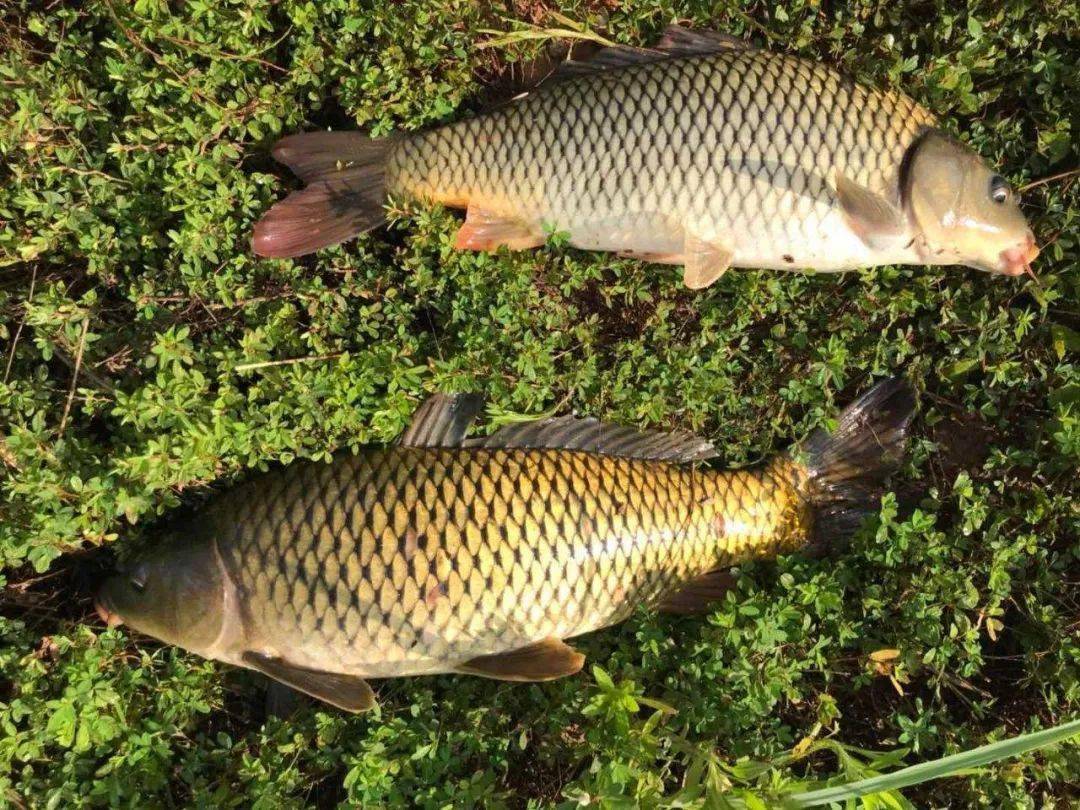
(482, 555)
(704, 151)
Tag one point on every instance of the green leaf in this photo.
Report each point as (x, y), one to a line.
(61, 724)
(960, 368)
(603, 680)
(939, 768)
(1067, 395)
(1064, 340)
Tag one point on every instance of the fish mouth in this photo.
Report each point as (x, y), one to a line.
(105, 611)
(1017, 260)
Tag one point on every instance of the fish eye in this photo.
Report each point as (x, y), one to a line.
(137, 578)
(999, 189)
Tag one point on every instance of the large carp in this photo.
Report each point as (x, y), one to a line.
(481, 555)
(704, 151)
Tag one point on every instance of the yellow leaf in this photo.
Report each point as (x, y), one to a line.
(880, 656)
(802, 747)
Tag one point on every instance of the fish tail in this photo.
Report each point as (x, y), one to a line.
(344, 193)
(841, 472)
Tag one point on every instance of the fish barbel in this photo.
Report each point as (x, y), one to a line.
(482, 555)
(704, 151)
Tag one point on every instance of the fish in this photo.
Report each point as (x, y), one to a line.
(704, 151)
(482, 555)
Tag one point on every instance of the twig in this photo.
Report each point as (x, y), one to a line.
(22, 323)
(138, 42)
(202, 50)
(74, 376)
(65, 354)
(22, 587)
(256, 299)
(268, 363)
(1044, 180)
(94, 173)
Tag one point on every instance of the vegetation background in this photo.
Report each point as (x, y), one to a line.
(147, 354)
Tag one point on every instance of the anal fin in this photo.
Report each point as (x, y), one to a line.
(347, 692)
(704, 261)
(698, 595)
(541, 661)
(488, 230)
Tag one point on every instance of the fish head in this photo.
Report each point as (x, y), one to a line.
(965, 212)
(174, 593)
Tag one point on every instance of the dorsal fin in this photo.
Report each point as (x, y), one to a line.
(680, 41)
(675, 41)
(593, 436)
(610, 58)
(442, 421)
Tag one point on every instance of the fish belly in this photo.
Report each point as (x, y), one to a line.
(641, 233)
(823, 242)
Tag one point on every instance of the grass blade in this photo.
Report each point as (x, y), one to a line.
(946, 766)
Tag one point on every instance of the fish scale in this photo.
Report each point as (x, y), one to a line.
(622, 151)
(411, 560)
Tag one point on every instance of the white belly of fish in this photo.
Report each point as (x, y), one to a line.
(821, 241)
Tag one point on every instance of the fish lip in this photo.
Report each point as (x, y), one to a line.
(1010, 267)
(105, 611)
(1016, 261)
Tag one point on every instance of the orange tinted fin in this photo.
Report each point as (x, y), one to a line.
(344, 196)
(704, 262)
(542, 661)
(486, 230)
(699, 594)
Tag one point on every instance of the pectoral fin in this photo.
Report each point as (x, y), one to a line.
(344, 691)
(704, 262)
(699, 594)
(488, 230)
(542, 661)
(872, 217)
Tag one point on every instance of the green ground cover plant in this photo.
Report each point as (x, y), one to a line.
(148, 356)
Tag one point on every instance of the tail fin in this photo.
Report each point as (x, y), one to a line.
(344, 196)
(845, 468)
